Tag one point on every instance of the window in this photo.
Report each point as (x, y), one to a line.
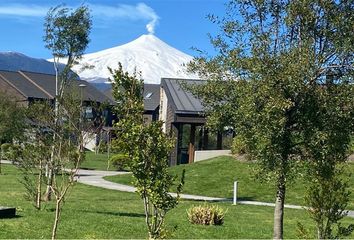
(148, 96)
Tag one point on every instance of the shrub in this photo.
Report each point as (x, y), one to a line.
(238, 145)
(351, 145)
(5, 149)
(119, 161)
(206, 215)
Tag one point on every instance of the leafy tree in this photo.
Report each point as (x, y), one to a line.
(327, 131)
(274, 62)
(34, 152)
(148, 149)
(67, 36)
(12, 121)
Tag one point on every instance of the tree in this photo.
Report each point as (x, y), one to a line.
(12, 121)
(32, 155)
(327, 131)
(272, 57)
(67, 36)
(147, 149)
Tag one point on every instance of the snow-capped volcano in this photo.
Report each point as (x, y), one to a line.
(148, 54)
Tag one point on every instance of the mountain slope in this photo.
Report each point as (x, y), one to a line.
(148, 54)
(13, 61)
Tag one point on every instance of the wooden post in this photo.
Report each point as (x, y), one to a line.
(191, 144)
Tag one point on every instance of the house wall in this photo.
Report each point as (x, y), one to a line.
(163, 109)
(207, 154)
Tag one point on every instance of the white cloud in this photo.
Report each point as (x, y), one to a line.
(137, 12)
(22, 10)
(140, 11)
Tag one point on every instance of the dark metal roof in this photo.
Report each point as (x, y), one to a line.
(151, 96)
(44, 81)
(24, 86)
(90, 93)
(181, 99)
(40, 85)
(150, 103)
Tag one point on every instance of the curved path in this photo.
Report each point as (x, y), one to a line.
(95, 178)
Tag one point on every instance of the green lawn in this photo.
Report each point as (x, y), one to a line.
(96, 161)
(92, 212)
(215, 178)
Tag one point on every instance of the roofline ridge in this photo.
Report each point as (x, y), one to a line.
(12, 85)
(34, 83)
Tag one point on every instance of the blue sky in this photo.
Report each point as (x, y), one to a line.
(180, 23)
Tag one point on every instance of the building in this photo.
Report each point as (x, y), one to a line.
(183, 117)
(28, 87)
(151, 101)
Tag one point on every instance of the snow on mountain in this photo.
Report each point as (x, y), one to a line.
(148, 54)
(14, 61)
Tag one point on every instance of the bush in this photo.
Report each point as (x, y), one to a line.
(119, 161)
(351, 145)
(238, 145)
(4, 149)
(8, 151)
(206, 215)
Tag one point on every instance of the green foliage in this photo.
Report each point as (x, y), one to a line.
(238, 146)
(147, 148)
(67, 36)
(67, 29)
(327, 197)
(5, 150)
(119, 161)
(351, 145)
(282, 70)
(206, 215)
(12, 120)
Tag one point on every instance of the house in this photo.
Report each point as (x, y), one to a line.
(183, 117)
(28, 87)
(151, 95)
(151, 102)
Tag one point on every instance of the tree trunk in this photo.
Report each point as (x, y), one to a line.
(279, 209)
(56, 220)
(39, 187)
(48, 193)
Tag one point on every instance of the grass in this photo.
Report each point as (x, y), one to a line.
(92, 212)
(96, 161)
(215, 178)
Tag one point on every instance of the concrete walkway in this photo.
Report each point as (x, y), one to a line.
(95, 178)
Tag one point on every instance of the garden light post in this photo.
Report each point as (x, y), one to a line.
(235, 193)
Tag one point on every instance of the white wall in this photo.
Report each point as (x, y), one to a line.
(163, 109)
(206, 154)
